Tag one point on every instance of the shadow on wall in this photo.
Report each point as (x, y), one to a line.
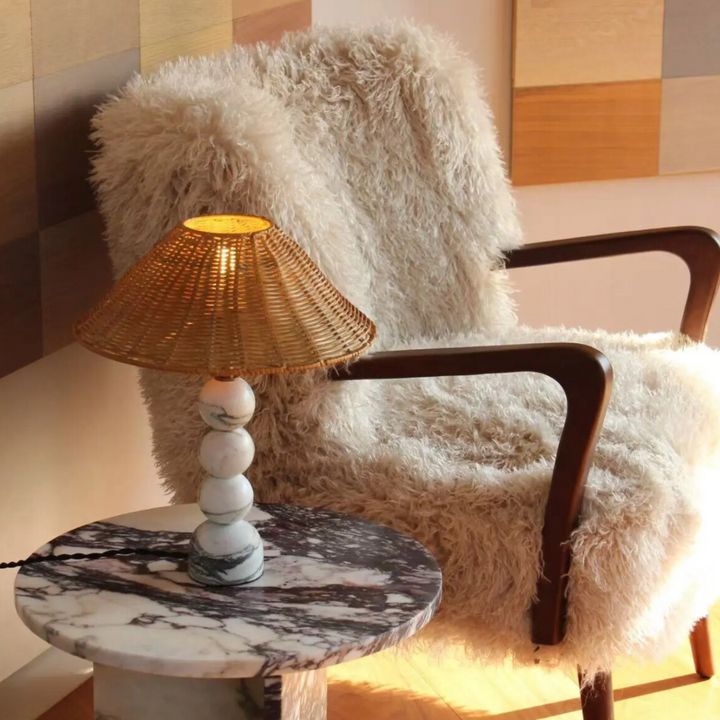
(53, 262)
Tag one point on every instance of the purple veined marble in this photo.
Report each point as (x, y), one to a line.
(335, 588)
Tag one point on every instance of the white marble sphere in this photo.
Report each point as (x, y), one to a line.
(226, 454)
(225, 500)
(226, 404)
(226, 554)
(218, 540)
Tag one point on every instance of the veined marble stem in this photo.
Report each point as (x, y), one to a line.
(226, 549)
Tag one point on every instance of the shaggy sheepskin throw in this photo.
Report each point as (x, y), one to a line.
(376, 152)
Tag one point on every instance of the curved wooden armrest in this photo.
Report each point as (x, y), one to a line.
(698, 247)
(585, 375)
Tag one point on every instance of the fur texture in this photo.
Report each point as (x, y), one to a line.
(376, 151)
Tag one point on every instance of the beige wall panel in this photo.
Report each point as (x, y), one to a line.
(15, 50)
(18, 204)
(165, 19)
(271, 24)
(574, 133)
(73, 32)
(689, 125)
(566, 42)
(202, 42)
(240, 8)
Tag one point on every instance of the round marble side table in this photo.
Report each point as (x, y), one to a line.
(335, 588)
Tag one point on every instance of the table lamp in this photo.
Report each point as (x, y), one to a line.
(226, 296)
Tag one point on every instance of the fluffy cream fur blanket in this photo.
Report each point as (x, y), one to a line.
(376, 151)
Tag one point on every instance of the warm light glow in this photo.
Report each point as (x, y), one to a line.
(228, 224)
(228, 259)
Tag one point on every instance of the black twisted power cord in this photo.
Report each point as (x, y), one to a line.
(92, 556)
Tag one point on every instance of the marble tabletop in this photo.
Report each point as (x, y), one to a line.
(335, 588)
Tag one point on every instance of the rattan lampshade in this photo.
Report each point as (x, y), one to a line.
(226, 295)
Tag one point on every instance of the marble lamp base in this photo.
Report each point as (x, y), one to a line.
(128, 695)
(226, 549)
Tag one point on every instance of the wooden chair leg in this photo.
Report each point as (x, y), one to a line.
(701, 650)
(597, 699)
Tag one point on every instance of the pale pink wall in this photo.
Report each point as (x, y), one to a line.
(642, 292)
(74, 447)
(638, 293)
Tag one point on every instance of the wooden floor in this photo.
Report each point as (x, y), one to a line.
(384, 687)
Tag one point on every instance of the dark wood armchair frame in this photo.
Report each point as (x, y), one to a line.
(585, 375)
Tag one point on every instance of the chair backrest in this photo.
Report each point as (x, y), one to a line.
(373, 148)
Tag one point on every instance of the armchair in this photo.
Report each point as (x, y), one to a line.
(573, 524)
(585, 375)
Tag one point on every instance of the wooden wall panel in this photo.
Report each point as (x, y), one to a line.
(164, 19)
(21, 316)
(53, 264)
(201, 42)
(77, 242)
(269, 25)
(73, 32)
(586, 55)
(692, 38)
(64, 105)
(18, 199)
(15, 43)
(690, 125)
(248, 7)
(586, 132)
(568, 42)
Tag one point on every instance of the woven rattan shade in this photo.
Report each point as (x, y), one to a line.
(226, 295)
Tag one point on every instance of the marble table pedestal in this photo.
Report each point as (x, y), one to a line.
(121, 694)
(335, 588)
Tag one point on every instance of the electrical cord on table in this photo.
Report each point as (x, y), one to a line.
(33, 559)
